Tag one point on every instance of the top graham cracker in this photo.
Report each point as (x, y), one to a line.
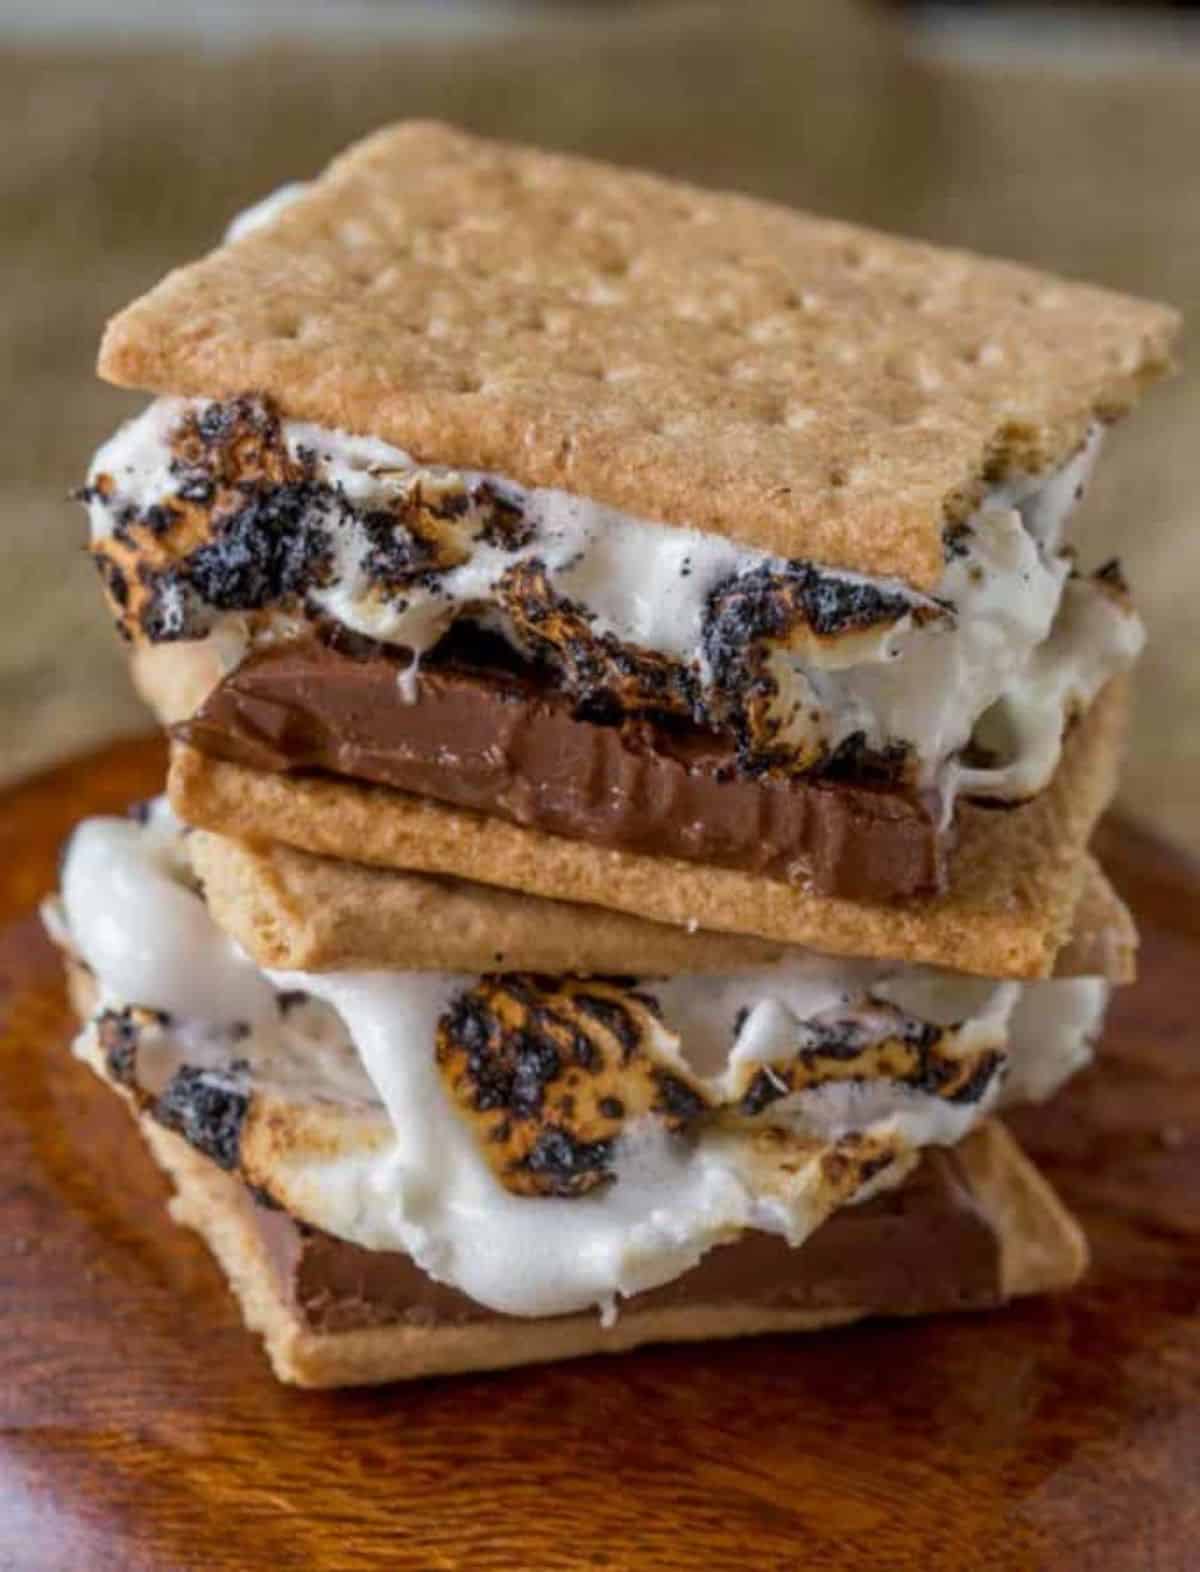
(800, 385)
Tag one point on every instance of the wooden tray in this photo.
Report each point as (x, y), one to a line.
(139, 1427)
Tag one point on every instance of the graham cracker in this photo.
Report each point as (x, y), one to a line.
(1041, 1251)
(803, 386)
(1104, 938)
(1015, 876)
(294, 911)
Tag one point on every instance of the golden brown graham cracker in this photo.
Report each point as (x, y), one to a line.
(1041, 1251)
(1104, 939)
(804, 386)
(1015, 876)
(294, 911)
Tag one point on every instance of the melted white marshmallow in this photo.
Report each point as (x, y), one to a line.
(421, 1184)
(1051, 1035)
(266, 211)
(1087, 645)
(518, 1254)
(924, 680)
(145, 934)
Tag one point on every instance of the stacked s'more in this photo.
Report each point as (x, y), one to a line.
(637, 724)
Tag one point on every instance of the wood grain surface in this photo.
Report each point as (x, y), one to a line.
(140, 1429)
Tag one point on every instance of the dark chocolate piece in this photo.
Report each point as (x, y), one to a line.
(921, 1247)
(502, 742)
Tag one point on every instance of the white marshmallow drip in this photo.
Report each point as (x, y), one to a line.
(921, 683)
(128, 912)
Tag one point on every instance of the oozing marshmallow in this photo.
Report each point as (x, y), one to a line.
(866, 663)
(424, 1184)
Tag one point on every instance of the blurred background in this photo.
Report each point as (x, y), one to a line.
(132, 129)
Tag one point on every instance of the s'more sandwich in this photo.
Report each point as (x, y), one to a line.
(428, 1126)
(637, 727)
(512, 516)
